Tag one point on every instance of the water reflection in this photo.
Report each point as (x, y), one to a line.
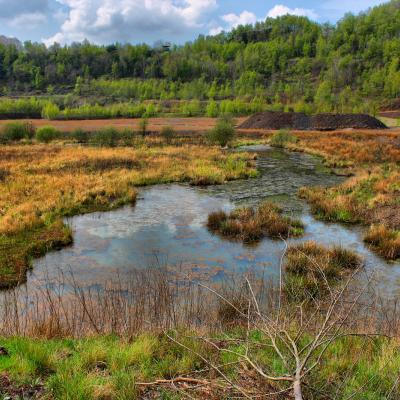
(166, 226)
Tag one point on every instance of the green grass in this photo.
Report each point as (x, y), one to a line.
(109, 367)
(26, 245)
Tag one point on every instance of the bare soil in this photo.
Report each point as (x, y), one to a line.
(180, 125)
(390, 114)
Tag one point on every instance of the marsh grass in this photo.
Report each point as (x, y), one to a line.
(282, 138)
(311, 269)
(52, 181)
(251, 224)
(385, 241)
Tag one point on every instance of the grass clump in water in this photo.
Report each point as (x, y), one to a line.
(384, 240)
(282, 138)
(311, 269)
(252, 224)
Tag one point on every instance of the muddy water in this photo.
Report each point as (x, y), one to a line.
(166, 226)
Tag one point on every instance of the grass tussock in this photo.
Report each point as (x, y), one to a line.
(251, 224)
(52, 181)
(385, 241)
(311, 269)
(283, 138)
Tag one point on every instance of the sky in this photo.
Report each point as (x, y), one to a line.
(149, 21)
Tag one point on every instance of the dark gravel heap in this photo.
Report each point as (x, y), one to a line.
(277, 120)
(330, 122)
(302, 122)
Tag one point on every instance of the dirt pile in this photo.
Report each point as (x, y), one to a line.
(326, 122)
(302, 122)
(277, 120)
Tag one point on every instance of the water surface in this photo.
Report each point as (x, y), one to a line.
(167, 226)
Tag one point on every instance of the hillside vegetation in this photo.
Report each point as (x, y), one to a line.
(285, 62)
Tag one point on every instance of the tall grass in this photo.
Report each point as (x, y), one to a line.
(313, 269)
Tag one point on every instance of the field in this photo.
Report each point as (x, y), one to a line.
(111, 346)
(181, 125)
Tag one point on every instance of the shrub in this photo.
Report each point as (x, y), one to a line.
(80, 135)
(126, 136)
(143, 124)
(168, 133)
(50, 111)
(47, 134)
(223, 132)
(212, 109)
(282, 138)
(106, 137)
(17, 131)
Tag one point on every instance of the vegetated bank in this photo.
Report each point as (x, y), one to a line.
(317, 122)
(42, 183)
(371, 195)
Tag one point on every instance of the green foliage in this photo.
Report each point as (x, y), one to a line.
(223, 132)
(288, 61)
(143, 124)
(282, 138)
(80, 135)
(191, 108)
(46, 134)
(50, 111)
(15, 131)
(21, 108)
(168, 133)
(212, 109)
(107, 137)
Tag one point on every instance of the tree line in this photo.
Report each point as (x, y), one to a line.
(288, 61)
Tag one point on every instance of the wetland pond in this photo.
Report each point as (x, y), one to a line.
(167, 227)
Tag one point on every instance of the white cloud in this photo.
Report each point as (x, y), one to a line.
(127, 20)
(280, 10)
(244, 18)
(28, 21)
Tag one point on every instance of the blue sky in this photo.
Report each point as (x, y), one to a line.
(107, 21)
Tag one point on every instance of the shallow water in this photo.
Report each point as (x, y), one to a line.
(166, 226)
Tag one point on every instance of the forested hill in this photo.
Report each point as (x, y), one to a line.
(288, 60)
